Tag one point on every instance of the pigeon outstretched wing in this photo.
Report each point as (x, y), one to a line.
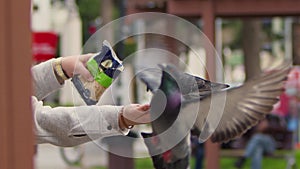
(239, 108)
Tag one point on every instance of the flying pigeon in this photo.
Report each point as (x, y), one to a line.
(220, 115)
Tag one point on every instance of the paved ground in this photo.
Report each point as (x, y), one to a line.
(49, 157)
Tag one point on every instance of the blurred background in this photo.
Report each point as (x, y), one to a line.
(249, 36)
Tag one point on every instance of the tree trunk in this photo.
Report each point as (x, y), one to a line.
(296, 44)
(251, 42)
(106, 12)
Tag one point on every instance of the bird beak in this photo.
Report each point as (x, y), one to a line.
(208, 87)
(217, 86)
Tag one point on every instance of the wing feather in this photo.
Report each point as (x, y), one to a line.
(244, 106)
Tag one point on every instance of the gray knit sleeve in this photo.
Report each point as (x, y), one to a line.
(44, 79)
(71, 126)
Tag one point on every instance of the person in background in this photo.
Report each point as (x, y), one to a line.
(71, 126)
(261, 142)
(197, 148)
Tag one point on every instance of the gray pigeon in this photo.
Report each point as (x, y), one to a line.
(221, 115)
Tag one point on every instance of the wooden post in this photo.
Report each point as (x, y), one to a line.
(208, 17)
(123, 146)
(16, 143)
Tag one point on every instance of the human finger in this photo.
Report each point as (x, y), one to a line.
(144, 107)
(84, 73)
(84, 58)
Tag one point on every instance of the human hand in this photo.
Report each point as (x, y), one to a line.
(134, 114)
(73, 65)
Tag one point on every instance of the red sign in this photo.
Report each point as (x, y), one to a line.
(44, 45)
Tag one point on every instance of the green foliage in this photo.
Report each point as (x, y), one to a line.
(130, 48)
(267, 163)
(89, 9)
(143, 163)
(98, 167)
(236, 25)
(235, 59)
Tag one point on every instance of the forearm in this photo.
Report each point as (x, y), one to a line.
(44, 79)
(70, 126)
